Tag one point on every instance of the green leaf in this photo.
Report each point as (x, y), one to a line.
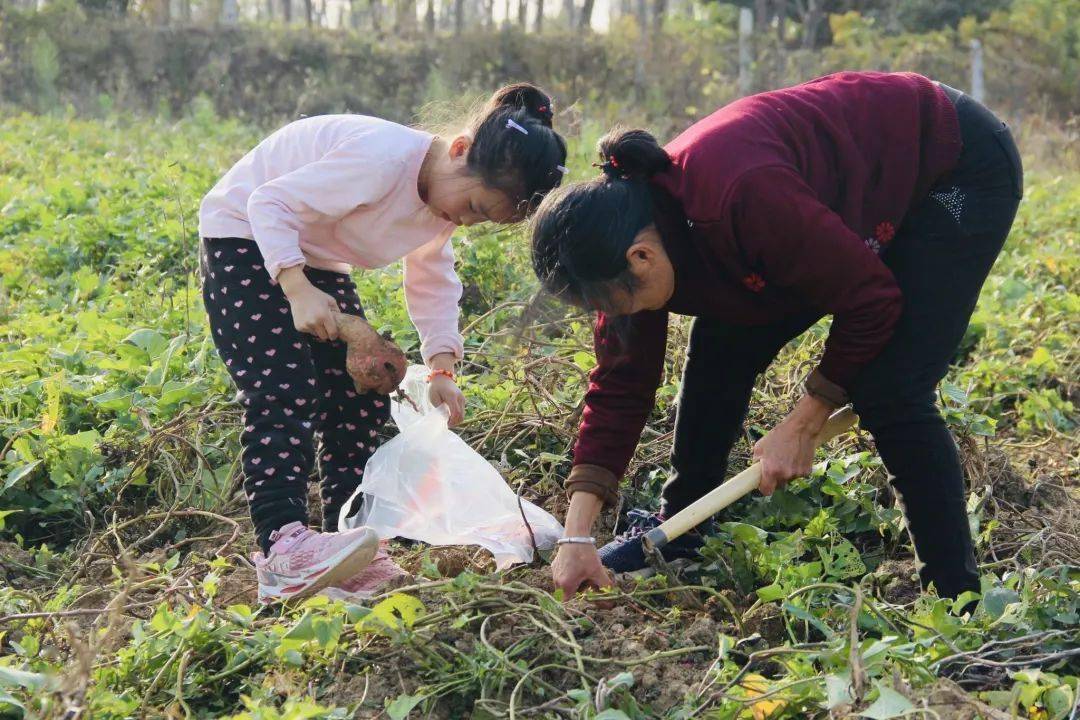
(838, 691)
(997, 599)
(11, 678)
(397, 611)
(771, 592)
(623, 679)
(4, 514)
(303, 630)
(889, 704)
(115, 400)
(954, 393)
(1058, 701)
(611, 714)
(585, 360)
(149, 341)
(402, 705)
(19, 473)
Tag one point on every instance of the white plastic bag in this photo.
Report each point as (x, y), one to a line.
(427, 484)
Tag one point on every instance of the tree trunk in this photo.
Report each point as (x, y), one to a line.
(230, 12)
(641, 11)
(405, 17)
(286, 10)
(568, 13)
(459, 16)
(761, 16)
(539, 25)
(811, 23)
(523, 15)
(429, 18)
(585, 19)
(659, 11)
(376, 15)
(308, 12)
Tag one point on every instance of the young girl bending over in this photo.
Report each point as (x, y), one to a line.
(280, 233)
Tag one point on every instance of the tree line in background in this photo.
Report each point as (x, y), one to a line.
(802, 23)
(102, 56)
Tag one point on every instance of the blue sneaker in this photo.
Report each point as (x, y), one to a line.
(624, 554)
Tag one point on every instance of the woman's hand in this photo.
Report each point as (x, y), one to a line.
(787, 451)
(576, 565)
(312, 309)
(443, 390)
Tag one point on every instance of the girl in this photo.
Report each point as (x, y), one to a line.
(879, 199)
(281, 231)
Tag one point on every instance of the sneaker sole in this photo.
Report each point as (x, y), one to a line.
(349, 562)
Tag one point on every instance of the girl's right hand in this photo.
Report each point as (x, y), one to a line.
(312, 309)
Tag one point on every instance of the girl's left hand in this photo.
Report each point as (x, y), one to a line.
(444, 391)
(787, 451)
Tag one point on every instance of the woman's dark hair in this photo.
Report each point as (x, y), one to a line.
(514, 147)
(580, 233)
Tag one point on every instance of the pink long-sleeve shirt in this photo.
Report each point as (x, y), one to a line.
(339, 191)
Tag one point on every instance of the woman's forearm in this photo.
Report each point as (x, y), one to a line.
(810, 414)
(584, 509)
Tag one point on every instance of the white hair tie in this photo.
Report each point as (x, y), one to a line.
(511, 124)
(561, 169)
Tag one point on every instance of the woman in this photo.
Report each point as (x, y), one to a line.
(881, 199)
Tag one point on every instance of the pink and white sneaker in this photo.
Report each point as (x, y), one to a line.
(379, 575)
(301, 561)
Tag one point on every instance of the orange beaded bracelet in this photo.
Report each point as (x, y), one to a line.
(445, 373)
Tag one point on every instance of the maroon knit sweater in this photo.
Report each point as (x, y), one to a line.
(777, 205)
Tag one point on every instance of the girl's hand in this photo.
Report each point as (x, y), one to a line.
(576, 565)
(787, 451)
(444, 391)
(312, 309)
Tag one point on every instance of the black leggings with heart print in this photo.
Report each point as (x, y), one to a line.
(300, 407)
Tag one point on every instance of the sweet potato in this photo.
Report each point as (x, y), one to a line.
(375, 363)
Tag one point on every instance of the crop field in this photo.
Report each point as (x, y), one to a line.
(126, 586)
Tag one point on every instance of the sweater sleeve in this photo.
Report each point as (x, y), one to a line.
(622, 391)
(351, 174)
(798, 243)
(432, 293)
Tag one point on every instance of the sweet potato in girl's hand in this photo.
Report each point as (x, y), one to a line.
(374, 362)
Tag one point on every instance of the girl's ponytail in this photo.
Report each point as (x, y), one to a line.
(514, 148)
(526, 97)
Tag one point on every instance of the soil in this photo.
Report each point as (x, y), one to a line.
(899, 581)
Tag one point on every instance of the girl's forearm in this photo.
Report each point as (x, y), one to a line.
(291, 279)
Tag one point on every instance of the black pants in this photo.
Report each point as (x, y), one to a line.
(300, 406)
(941, 255)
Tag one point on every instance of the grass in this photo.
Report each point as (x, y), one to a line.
(128, 590)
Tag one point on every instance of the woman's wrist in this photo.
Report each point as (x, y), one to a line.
(810, 414)
(580, 517)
